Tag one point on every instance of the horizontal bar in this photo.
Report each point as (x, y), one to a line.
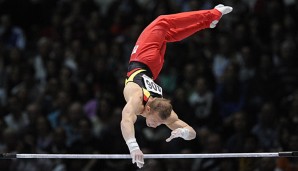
(146, 156)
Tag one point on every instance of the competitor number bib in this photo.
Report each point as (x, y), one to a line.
(151, 85)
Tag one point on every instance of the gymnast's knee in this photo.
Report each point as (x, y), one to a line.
(163, 21)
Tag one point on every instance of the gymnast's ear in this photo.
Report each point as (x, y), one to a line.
(147, 108)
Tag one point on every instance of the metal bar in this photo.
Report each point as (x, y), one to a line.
(146, 156)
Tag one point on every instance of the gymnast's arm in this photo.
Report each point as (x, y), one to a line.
(128, 120)
(133, 96)
(179, 128)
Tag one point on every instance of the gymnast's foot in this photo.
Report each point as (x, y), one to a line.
(224, 10)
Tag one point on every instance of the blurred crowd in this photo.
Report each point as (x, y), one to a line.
(63, 65)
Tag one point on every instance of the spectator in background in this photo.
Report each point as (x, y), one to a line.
(54, 29)
(292, 118)
(168, 80)
(16, 119)
(74, 24)
(43, 132)
(59, 146)
(71, 54)
(201, 100)
(264, 83)
(11, 36)
(70, 121)
(33, 111)
(230, 93)
(251, 145)
(213, 145)
(86, 143)
(182, 105)
(28, 144)
(267, 164)
(247, 64)
(59, 108)
(265, 128)
(289, 164)
(40, 60)
(10, 140)
(189, 77)
(240, 131)
(223, 58)
(286, 70)
(3, 82)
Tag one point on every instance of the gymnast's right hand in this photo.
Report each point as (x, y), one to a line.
(135, 152)
(137, 157)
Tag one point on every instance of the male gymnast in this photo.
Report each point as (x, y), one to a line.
(143, 96)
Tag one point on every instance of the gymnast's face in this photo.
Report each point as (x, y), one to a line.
(153, 120)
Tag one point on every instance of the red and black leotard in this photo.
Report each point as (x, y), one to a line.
(136, 71)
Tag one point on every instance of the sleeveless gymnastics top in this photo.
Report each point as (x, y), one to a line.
(141, 75)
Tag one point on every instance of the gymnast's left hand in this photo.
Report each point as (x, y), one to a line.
(179, 132)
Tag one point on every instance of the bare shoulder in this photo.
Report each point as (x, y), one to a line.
(173, 122)
(132, 90)
(133, 93)
(173, 118)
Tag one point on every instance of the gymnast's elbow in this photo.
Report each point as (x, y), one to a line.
(128, 118)
(126, 123)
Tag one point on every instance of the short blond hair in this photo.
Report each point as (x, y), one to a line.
(162, 106)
